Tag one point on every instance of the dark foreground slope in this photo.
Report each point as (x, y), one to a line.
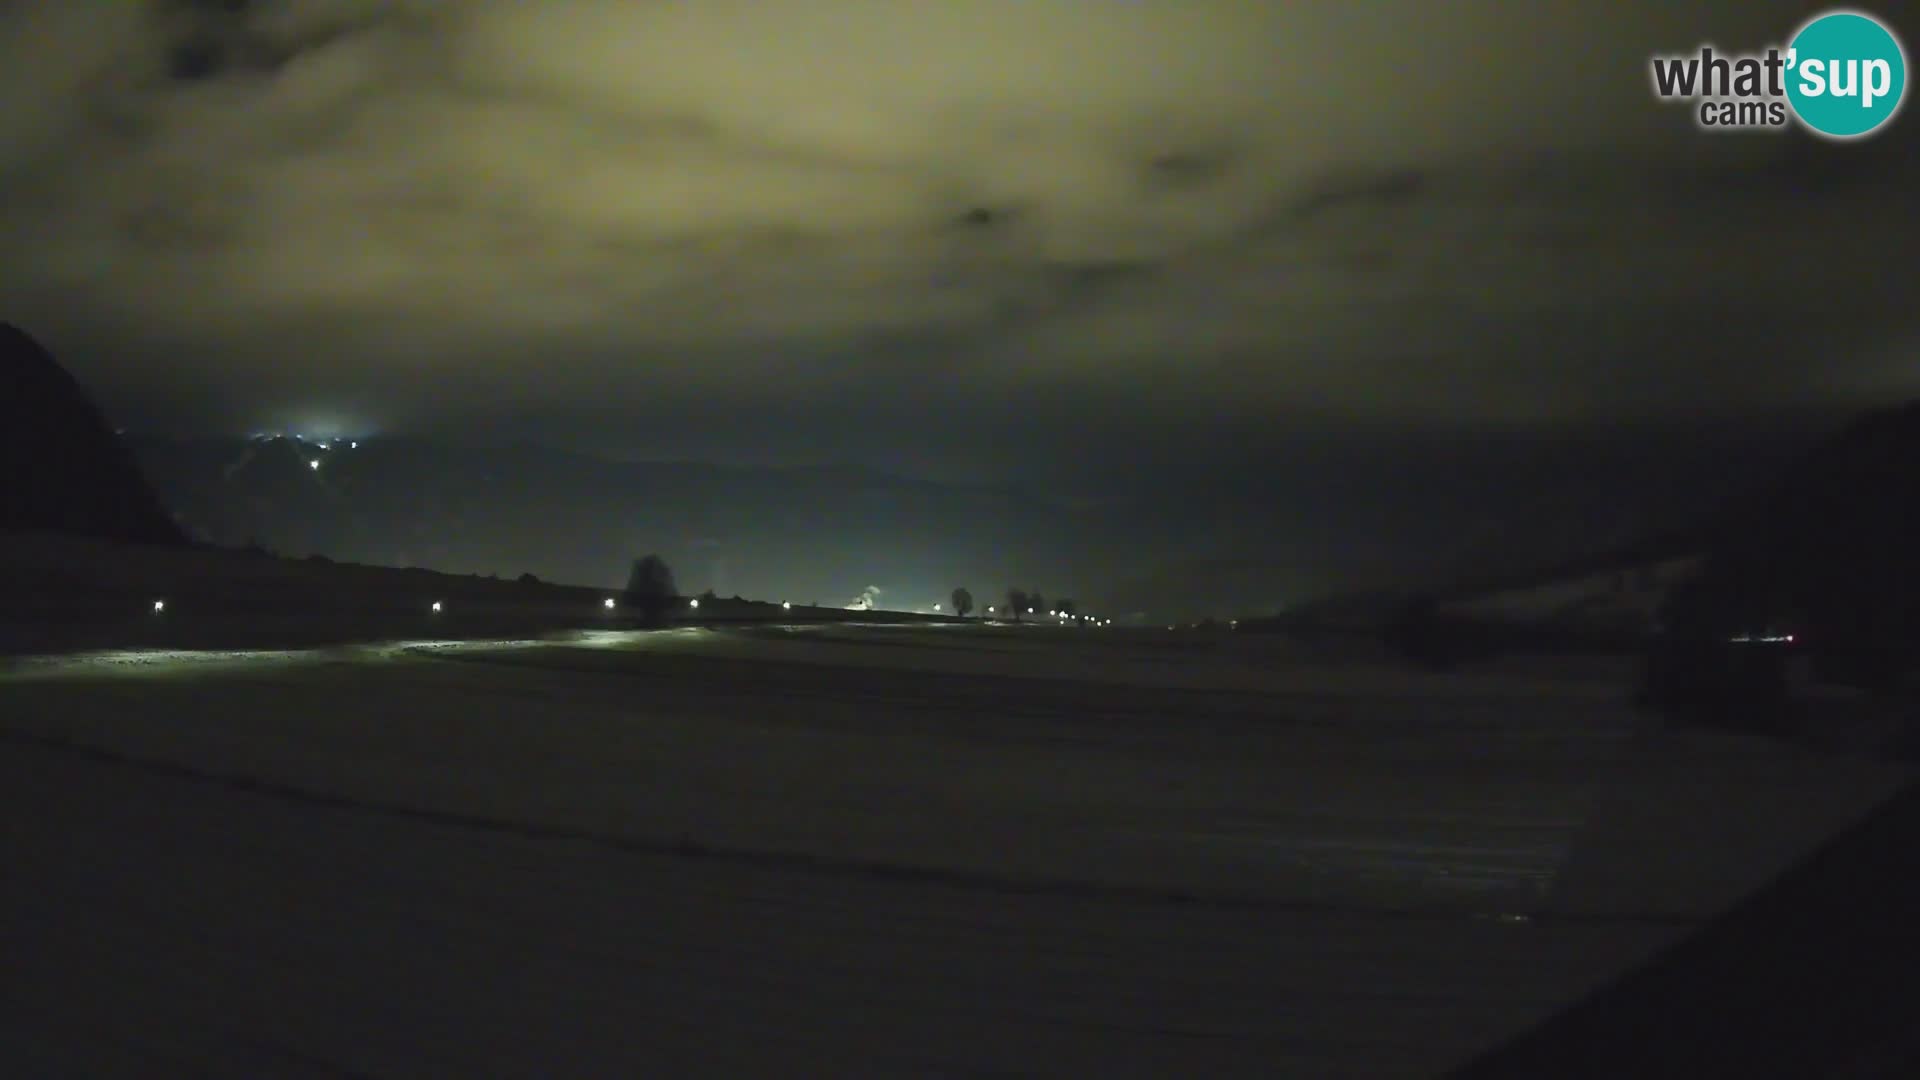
(1813, 977)
(62, 467)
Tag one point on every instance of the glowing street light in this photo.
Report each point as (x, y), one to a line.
(1029, 611)
(353, 446)
(989, 609)
(608, 603)
(786, 605)
(436, 608)
(314, 464)
(936, 607)
(159, 606)
(694, 603)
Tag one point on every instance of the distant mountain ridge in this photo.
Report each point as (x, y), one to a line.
(803, 534)
(1181, 544)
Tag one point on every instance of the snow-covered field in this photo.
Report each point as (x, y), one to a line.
(925, 851)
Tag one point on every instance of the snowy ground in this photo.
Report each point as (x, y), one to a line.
(918, 851)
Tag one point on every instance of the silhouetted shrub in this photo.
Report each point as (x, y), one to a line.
(650, 591)
(529, 579)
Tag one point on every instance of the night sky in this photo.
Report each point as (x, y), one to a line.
(1061, 244)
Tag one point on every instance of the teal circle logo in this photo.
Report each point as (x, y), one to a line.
(1846, 74)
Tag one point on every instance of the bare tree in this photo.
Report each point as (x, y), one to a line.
(1017, 602)
(962, 602)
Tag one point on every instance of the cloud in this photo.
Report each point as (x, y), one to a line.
(1406, 213)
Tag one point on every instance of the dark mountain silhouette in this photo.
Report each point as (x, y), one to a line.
(1829, 546)
(1314, 521)
(1835, 544)
(62, 467)
(1843, 515)
(1850, 505)
(783, 533)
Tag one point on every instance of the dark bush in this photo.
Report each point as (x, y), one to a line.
(650, 591)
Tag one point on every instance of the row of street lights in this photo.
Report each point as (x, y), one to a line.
(1063, 616)
(439, 607)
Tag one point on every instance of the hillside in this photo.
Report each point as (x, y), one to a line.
(818, 535)
(1835, 535)
(62, 467)
(1173, 544)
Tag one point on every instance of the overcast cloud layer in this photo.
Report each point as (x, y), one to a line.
(941, 219)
